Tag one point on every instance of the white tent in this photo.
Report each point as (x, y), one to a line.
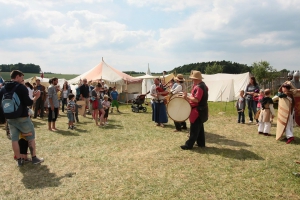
(225, 87)
(44, 81)
(111, 76)
(103, 71)
(147, 82)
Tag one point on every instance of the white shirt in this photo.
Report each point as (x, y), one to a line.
(30, 92)
(153, 91)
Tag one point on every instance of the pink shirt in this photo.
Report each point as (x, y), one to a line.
(196, 93)
(260, 97)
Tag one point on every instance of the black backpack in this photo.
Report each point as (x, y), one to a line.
(11, 104)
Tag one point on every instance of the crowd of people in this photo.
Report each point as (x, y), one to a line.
(36, 100)
(97, 99)
(260, 105)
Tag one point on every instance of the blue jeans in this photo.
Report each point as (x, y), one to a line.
(21, 125)
(251, 108)
(241, 116)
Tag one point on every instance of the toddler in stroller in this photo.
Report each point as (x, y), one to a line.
(137, 103)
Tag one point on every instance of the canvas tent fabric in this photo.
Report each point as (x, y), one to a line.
(105, 72)
(225, 87)
(147, 82)
(44, 81)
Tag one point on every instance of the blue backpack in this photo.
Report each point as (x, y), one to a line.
(11, 105)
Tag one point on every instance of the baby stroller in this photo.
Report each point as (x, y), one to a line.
(137, 104)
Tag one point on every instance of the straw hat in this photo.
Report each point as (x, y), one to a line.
(179, 77)
(196, 75)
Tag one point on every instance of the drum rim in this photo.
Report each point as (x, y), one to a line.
(168, 112)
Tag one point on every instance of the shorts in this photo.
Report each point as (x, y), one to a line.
(115, 103)
(70, 116)
(106, 113)
(23, 125)
(50, 118)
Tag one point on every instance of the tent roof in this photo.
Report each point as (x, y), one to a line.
(146, 76)
(105, 72)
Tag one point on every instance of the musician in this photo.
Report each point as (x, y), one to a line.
(199, 112)
(179, 87)
(159, 114)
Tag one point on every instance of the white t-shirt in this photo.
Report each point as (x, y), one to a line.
(65, 94)
(30, 92)
(153, 91)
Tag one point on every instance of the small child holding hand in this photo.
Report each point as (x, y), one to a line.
(106, 106)
(71, 110)
(240, 106)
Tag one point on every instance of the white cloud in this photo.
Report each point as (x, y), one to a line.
(78, 33)
(271, 39)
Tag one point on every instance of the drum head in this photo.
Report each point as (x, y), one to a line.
(179, 109)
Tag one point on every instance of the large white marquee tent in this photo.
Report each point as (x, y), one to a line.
(112, 77)
(225, 87)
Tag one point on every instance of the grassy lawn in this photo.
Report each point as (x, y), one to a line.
(133, 159)
(6, 75)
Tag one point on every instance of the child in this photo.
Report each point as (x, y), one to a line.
(267, 114)
(70, 110)
(240, 106)
(106, 105)
(287, 93)
(260, 97)
(23, 144)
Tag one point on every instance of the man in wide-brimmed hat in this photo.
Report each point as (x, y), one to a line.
(179, 87)
(199, 112)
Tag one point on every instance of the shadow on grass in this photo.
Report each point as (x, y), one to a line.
(295, 142)
(219, 139)
(39, 176)
(112, 126)
(37, 123)
(69, 132)
(241, 154)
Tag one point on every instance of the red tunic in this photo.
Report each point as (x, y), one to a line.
(197, 93)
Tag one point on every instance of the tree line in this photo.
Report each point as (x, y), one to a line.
(214, 67)
(25, 68)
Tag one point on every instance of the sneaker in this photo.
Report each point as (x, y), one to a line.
(36, 160)
(250, 121)
(27, 160)
(20, 162)
(290, 140)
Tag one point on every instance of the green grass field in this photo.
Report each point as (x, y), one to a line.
(131, 158)
(6, 75)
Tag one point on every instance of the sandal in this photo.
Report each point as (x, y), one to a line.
(162, 125)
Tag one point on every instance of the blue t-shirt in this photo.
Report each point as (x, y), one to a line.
(114, 95)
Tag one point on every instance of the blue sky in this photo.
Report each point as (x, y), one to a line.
(72, 36)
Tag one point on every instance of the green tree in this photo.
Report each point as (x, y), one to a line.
(264, 72)
(214, 69)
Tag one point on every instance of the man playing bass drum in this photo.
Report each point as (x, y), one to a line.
(199, 112)
(179, 87)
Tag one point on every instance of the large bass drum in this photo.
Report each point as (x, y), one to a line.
(178, 109)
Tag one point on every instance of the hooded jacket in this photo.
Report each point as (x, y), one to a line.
(22, 93)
